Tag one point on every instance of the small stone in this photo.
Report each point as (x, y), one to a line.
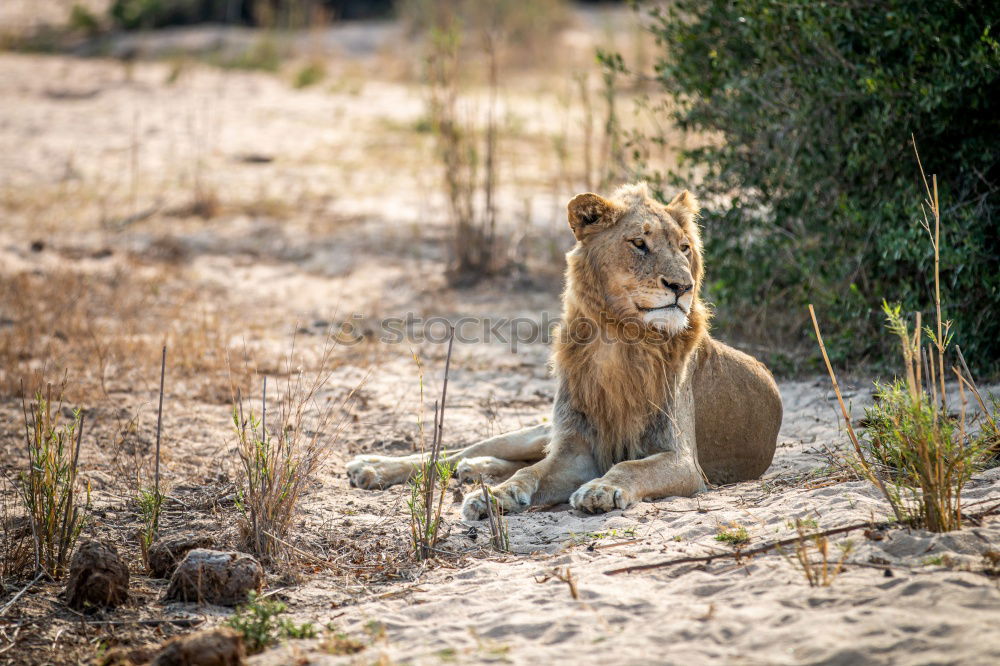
(166, 552)
(221, 646)
(97, 576)
(215, 577)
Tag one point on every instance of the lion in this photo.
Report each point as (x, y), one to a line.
(648, 405)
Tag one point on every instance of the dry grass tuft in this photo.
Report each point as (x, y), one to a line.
(279, 462)
(105, 330)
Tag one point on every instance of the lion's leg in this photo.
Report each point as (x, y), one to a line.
(550, 481)
(667, 474)
(488, 468)
(526, 445)
(674, 471)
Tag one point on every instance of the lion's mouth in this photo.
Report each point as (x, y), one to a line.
(662, 308)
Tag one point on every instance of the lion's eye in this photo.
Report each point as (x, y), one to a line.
(640, 244)
(686, 247)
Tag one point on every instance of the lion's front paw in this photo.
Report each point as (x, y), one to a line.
(510, 496)
(370, 472)
(599, 496)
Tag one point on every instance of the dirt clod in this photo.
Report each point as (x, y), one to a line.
(166, 552)
(97, 576)
(221, 646)
(215, 577)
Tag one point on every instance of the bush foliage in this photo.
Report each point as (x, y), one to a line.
(808, 170)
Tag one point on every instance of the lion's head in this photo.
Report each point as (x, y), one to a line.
(636, 260)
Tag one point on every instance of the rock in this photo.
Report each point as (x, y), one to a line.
(221, 646)
(215, 577)
(97, 576)
(126, 656)
(166, 552)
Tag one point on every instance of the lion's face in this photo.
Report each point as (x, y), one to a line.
(641, 258)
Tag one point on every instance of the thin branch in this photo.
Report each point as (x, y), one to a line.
(18, 595)
(159, 422)
(767, 547)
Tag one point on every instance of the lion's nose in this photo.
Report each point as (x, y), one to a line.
(676, 287)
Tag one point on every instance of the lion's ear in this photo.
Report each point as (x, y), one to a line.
(684, 208)
(589, 213)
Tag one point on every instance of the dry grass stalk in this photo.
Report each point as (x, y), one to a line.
(150, 501)
(564, 575)
(431, 479)
(865, 466)
(499, 531)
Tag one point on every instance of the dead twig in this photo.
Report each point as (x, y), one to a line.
(17, 596)
(562, 575)
(764, 548)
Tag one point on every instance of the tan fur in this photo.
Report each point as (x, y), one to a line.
(645, 393)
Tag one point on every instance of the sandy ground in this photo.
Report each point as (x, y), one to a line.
(327, 209)
(903, 597)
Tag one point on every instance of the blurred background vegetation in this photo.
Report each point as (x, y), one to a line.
(812, 188)
(797, 127)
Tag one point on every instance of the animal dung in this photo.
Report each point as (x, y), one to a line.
(97, 576)
(220, 646)
(166, 552)
(216, 577)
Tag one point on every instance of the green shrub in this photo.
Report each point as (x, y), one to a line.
(310, 74)
(147, 14)
(812, 196)
(82, 19)
(261, 626)
(734, 535)
(926, 455)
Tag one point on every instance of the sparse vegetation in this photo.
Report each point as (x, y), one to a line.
(913, 450)
(278, 463)
(429, 484)
(427, 492)
(338, 643)
(499, 529)
(57, 509)
(734, 534)
(309, 75)
(467, 154)
(261, 624)
(15, 535)
(812, 555)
